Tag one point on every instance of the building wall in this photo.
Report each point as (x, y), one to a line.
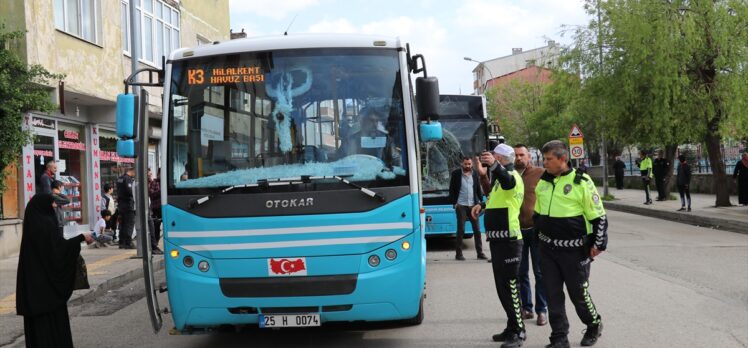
(90, 69)
(93, 77)
(531, 75)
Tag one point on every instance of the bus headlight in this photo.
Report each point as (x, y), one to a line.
(406, 245)
(390, 254)
(174, 253)
(203, 266)
(374, 260)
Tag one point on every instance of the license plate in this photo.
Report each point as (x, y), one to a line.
(289, 320)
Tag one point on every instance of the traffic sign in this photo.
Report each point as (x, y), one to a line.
(576, 141)
(575, 132)
(577, 151)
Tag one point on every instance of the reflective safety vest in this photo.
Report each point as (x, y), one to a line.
(565, 206)
(502, 210)
(646, 167)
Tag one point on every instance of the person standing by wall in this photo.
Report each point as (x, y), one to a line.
(683, 180)
(572, 227)
(741, 174)
(530, 177)
(126, 208)
(505, 238)
(46, 270)
(619, 168)
(109, 203)
(660, 169)
(464, 194)
(645, 167)
(154, 193)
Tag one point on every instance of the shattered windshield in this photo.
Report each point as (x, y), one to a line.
(240, 118)
(464, 134)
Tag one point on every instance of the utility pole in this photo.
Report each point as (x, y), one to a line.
(602, 114)
(139, 170)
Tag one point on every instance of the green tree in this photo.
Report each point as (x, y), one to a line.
(22, 88)
(666, 72)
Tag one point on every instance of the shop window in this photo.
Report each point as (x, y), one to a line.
(71, 167)
(111, 165)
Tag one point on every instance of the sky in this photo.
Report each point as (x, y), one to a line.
(443, 31)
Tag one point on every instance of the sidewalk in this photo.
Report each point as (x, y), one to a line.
(704, 213)
(108, 268)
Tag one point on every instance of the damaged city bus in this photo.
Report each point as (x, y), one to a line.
(291, 189)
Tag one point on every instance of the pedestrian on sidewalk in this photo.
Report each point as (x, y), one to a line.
(46, 270)
(530, 177)
(48, 177)
(618, 168)
(109, 203)
(645, 167)
(126, 208)
(154, 194)
(60, 201)
(464, 194)
(660, 169)
(572, 227)
(741, 174)
(684, 181)
(505, 238)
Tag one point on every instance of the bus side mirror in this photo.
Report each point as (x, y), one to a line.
(126, 125)
(427, 102)
(427, 98)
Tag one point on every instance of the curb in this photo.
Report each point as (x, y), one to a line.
(82, 297)
(696, 220)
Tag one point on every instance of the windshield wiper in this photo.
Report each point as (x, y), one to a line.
(262, 183)
(365, 190)
(304, 179)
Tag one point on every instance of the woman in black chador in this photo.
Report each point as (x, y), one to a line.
(46, 270)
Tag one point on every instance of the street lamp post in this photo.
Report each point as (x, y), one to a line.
(483, 89)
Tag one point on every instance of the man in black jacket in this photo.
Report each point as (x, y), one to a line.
(618, 169)
(660, 169)
(683, 181)
(464, 194)
(126, 208)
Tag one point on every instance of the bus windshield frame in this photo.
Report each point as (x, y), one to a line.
(302, 112)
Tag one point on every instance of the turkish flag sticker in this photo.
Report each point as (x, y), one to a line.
(287, 267)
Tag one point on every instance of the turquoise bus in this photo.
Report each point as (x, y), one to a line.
(465, 132)
(291, 189)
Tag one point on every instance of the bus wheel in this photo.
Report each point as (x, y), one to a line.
(418, 319)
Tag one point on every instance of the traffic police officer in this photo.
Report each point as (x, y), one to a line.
(505, 238)
(573, 230)
(645, 166)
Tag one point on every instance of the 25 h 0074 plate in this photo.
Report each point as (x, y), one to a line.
(289, 320)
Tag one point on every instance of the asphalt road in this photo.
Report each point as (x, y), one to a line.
(661, 284)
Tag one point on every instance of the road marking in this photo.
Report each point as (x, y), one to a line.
(8, 303)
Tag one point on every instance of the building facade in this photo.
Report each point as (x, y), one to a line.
(89, 42)
(486, 71)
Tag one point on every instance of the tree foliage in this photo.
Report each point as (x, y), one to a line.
(22, 88)
(661, 73)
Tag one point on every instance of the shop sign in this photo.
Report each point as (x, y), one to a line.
(42, 123)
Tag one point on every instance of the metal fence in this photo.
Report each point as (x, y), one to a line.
(696, 155)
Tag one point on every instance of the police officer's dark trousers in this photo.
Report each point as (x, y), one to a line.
(505, 259)
(126, 227)
(570, 266)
